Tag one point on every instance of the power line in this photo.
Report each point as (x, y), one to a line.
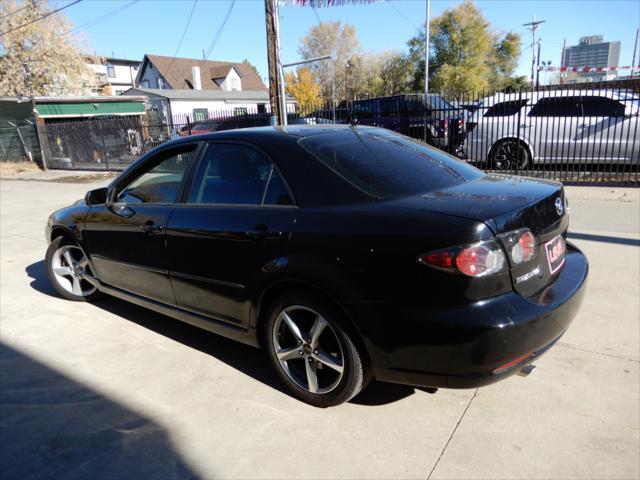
(388, 2)
(184, 32)
(218, 33)
(102, 18)
(315, 10)
(17, 10)
(41, 17)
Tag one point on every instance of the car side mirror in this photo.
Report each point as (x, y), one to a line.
(98, 196)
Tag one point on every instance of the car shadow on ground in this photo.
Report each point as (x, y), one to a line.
(248, 360)
(55, 427)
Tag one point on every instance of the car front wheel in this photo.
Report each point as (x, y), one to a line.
(312, 352)
(69, 271)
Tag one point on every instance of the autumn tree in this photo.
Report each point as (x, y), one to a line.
(341, 42)
(305, 89)
(45, 48)
(465, 54)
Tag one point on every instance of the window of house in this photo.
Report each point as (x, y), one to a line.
(557, 107)
(160, 82)
(161, 182)
(593, 106)
(111, 71)
(505, 109)
(200, 114)
(239, 111)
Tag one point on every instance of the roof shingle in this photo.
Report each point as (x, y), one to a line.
(177, 72)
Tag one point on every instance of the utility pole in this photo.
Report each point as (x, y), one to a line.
(276, 84)
(635, 49)
(426, 53)
(533, 26)
(538, 65)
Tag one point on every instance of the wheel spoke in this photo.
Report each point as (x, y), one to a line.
(76, 288)
(63, 270)
(316, 330)
(328, 360)
(67, 256)
(285, 354)
(312, 378)
(84, 261)
(292, 326)
(91, 279)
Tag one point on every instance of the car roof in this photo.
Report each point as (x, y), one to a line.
(507, 97)
(295, 131)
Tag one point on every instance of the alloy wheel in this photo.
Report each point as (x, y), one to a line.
(510, 155)
(72, 271)
(308, 349)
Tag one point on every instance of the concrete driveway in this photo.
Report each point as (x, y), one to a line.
(113, 391)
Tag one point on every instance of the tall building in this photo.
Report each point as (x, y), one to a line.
(593, 51)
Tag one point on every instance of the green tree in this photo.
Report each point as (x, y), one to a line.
(45, 48)
(465, 55)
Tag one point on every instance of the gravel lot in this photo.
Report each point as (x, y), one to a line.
(113, 391)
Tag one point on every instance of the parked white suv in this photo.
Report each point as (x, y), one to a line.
(516, 130)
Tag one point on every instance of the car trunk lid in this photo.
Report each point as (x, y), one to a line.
(509, 203)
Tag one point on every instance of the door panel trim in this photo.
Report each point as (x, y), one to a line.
(133, 265)
(211, 281)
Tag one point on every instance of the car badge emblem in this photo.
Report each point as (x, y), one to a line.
(559, 206)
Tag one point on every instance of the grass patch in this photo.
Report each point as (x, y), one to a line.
(16, 168)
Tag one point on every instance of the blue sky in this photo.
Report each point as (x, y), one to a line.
(155, 26)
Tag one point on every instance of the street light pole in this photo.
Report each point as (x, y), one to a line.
(426, 54)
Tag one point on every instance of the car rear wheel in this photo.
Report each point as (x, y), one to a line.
(510, 154)
(69, 271)
(312, 352)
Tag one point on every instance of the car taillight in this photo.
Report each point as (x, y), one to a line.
(479, 259)
(444, 124)
(520, 244)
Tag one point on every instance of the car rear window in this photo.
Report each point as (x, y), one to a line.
(386, 164)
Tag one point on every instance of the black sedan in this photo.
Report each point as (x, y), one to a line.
(348, 253)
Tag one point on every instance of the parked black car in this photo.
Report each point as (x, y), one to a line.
(348, 253)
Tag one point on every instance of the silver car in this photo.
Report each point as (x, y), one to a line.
(517, 130)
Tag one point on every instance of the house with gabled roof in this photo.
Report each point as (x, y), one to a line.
(159, 72)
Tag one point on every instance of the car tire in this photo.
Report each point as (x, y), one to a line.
(315, 357)
(69, 271)
(509, 154)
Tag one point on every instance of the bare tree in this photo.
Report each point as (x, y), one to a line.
(45, 50)
(341, 42)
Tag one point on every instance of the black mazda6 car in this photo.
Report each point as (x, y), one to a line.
(347, 253)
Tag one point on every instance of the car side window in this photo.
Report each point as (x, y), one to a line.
(277, 193)
(161, 182)
(594, 106)
(505, 109)
(557, 107)
(231, 174)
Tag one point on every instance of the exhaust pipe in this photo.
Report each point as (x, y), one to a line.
(526, 370)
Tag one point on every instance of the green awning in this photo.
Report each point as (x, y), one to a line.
(89, 109)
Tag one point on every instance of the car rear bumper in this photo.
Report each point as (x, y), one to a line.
(468, 346)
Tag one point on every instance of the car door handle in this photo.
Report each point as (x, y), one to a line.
(151, 228)
(262, 234)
